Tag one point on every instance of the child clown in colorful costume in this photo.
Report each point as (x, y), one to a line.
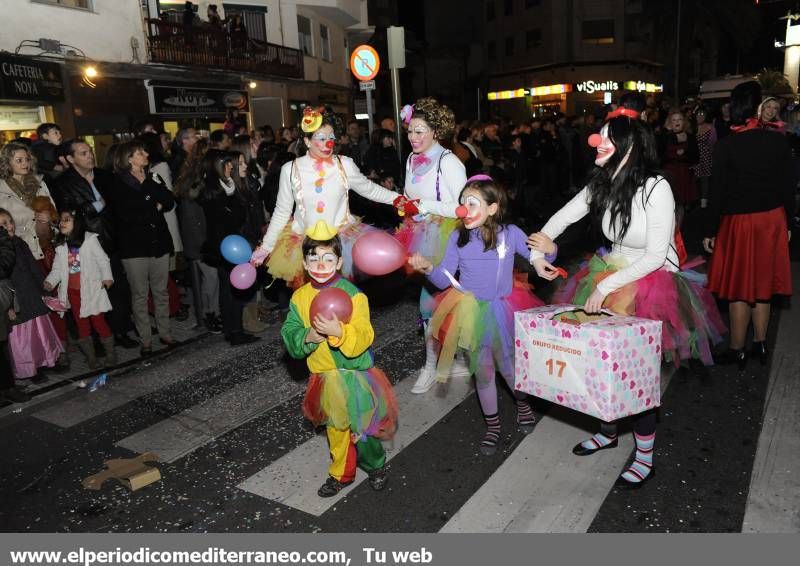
(316, 187)
(353, 399)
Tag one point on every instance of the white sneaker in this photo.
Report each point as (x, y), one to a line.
(425, 381)
(460, 369)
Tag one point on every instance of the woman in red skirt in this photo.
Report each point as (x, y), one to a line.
(679, 153)
(752, 198)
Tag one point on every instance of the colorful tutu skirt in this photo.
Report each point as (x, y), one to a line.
(751, 257)
(427, 237)
(32, 345)
(691, 320)
(286, 260)
(461, 321)
(361, 401)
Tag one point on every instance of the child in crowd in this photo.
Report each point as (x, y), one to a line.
(33, 342)
(353, 399)
(82, 273)
(46, 218)
(476, 313)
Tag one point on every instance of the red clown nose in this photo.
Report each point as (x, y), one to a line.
(329, 144)
(595, 140)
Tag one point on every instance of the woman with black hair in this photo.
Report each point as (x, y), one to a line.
(225, 208)
(158, 165)
(629, 199)
(752, 200)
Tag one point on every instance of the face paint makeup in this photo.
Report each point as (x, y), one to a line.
(322, 267)
(605, 149)
(477, 209)
(321, 144)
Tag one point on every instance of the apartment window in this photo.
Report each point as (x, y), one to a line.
(325, 42)
(509, 46)
(490, 10)
(492, 50)
(304, 31)
(508, 7)
(253, 17)
(598, 32)
(533, 38)
(81, 4)
(532, 3)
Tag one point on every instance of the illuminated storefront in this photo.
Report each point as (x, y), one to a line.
(28, 90)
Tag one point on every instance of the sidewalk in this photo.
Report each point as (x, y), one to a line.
(773, 504)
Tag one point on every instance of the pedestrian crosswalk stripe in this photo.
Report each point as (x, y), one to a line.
(293, 480)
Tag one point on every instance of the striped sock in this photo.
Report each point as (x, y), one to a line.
(492, 436)
(643, 463)
(525, 416)
(598, 441)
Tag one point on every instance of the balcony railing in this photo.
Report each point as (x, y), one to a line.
(204, 46)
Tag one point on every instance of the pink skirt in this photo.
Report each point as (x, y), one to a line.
(32, 345)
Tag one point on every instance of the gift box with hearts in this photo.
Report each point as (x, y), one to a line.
(605, 366)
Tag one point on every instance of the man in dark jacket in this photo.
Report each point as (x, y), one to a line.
(87, 188)
(7, 260)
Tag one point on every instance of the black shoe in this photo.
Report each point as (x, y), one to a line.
(378, 479)
(15, 395)
(622, 483)
(40, 377)
(213, 325)
(331, 487)
(62, 363)
(146, 351)
(170, 344)
(730, 357)
(182, 314)
(125, 341)
(240, 338)
(580, 450)
(760, 350)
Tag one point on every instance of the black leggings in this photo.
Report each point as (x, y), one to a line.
(644, 424)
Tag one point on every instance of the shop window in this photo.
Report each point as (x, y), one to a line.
(490, 10)
(532, 3)
(492, 50)
(533, 38)
(80, 4)
(304, 31)
(597, 32)
(325, 42)
(509, 46)
(508, 7)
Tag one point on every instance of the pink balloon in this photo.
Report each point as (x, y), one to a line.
(330, 301)
(377, 253)
(243, 276)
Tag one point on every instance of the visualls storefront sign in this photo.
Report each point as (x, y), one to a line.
(590, 87)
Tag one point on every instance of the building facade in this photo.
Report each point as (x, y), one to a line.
(97, 67)
(569, 56)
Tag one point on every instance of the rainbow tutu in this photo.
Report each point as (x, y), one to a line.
(286, 260)
(691, 320)
(427, 237)
(461, 321)
(361, 401)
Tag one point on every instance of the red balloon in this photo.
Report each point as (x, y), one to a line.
(377, 253)
(330, 301)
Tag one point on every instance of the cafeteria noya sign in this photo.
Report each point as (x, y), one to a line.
(22, 78)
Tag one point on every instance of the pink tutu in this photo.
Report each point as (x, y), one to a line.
(32, 345)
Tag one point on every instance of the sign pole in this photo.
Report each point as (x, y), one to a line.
(369, 114)
(396, 102)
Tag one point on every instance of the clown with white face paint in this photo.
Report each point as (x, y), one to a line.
(479, 307)
(315, 187)
(641, 276)
(353, 399)
(434, 179)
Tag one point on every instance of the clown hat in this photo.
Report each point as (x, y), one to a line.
(321, 232)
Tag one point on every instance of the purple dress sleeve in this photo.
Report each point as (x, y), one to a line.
(448, 265)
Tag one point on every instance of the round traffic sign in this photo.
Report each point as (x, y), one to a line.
(364, 63)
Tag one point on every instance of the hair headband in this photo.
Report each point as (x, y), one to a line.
(628, 112)
(480, 177)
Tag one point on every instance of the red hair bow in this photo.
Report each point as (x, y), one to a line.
(629, 112)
